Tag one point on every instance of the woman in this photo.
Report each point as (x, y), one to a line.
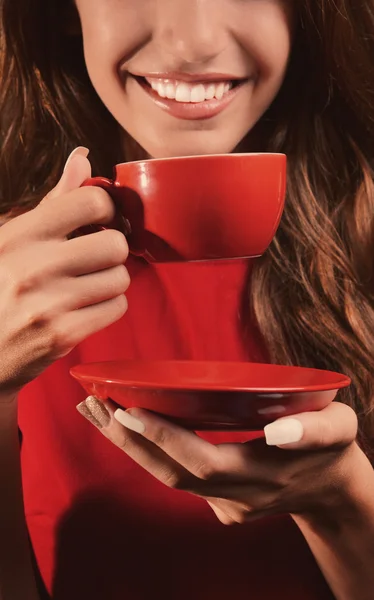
(104, 519)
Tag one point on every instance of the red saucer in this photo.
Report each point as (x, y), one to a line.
(212, 395)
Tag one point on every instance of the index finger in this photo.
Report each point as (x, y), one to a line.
(62, 215)
(197, 456)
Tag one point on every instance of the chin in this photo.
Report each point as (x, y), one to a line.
(192, 143)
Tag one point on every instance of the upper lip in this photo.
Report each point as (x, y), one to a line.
(189, 77)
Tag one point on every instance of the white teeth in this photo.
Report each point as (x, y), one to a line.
(160, 89)
(219, 91)
(198, 93)
(182, 91)
(170, 91)
(210, 91)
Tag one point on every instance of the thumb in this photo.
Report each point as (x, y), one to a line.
(335, 425)
(77, 170)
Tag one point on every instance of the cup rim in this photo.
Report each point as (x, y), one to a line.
(199, 156)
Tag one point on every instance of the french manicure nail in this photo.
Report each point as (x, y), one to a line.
(129, 421)
(80, 151)
(283, 432)
(94, 411)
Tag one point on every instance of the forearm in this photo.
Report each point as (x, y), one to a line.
(342, 538)
(16, 574)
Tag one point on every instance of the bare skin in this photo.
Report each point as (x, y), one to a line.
(246, 39)
(39, 301)
(324, 481)
(55, 292)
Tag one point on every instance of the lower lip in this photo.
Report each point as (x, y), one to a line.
(189, 110)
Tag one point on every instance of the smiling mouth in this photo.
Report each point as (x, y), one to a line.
(185, 92)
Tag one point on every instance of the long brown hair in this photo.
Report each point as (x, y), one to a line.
(312, 293)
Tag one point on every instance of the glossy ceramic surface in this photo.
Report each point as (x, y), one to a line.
(199, 207)
(212, 395)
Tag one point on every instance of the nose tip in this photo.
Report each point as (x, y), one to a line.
(191, 53)
(190, 31)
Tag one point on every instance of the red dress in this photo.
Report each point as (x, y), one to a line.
(101, 527)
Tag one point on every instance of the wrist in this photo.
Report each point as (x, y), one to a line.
(8, 412)
(8, 397)
(349, 499)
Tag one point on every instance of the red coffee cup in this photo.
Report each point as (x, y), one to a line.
(199, 207)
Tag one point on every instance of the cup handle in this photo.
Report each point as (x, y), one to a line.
(119, 222)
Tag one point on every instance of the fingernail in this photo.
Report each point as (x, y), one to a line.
(283, 432)
(129, 421)
(80, 151)
(94, 411)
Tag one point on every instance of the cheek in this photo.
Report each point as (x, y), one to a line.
(111, 32)
(267, 38)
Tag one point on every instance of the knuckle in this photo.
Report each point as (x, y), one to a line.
(224, 518)
(117, 308)
(22, 285)
(60, 341)
(281, 481)
(241, 516)
(50, 341)
(61, 338)
(25, 273)
(161, 437)
(121, 304)
(174, 480)
(122, 279)
(35, 320)
(121, 440)
(204, 471)
(242, 513)
(119, 245)
(98, 203)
